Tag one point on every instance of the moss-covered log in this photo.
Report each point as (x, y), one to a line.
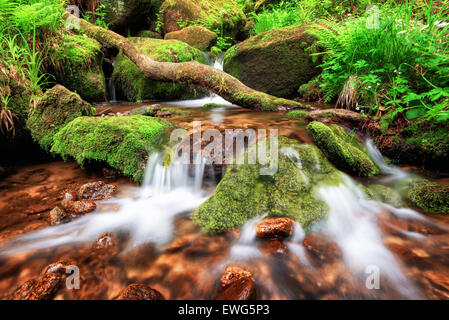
(190, 73)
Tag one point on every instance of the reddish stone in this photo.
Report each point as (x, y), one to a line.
(275, 228)
(96, 191)
(233, 273)
(78, 207)
(140, 292)
(43, 289)
(273, 247)
(107, 244)
(58, 216)
(322, 248)
(59, 267)
(241, 289)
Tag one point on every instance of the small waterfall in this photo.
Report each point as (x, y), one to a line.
(376, 156)
(352, 223)
(111, 90)
(212, 98)
(148, 218)
(246, 247)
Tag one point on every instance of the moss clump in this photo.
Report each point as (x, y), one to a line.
(196, 36)
(296, 114)
(121, 142)
(311, 90)
(243, 193)
(77, 64)
(209, 106)
(226, 15)
(385, 194)
(342, 149)
(275, 62)
(57, 108)
(428, 196)
(132, 84)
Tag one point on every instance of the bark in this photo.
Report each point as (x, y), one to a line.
(340, 114)
(190, 73)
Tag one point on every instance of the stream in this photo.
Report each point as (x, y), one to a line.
(157, 244)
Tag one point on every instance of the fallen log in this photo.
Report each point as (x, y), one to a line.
(339, 114)
(190, 73)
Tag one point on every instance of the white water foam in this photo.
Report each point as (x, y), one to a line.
(394, 172)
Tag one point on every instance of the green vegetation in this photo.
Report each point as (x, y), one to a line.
(121, 142)
(296, 114)
(243, 193)
(342, 149)
(135, 86)
(429, 196)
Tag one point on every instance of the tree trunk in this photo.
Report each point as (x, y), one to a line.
(190, 73)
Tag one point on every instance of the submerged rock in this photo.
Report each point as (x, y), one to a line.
(132, 84)
(121, 142)
(96, 191)
(343, 150)
(275, 228)
(290, 192)
(77, 64)
(383, 194)
(276, 62)
(140, 292)
(57, 108)
(429, 196)
(58, 216)
(225, 15)
(76, 208)
(241, 289)
(232, 274)
(196, 36)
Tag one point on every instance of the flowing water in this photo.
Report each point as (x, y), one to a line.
(158, 244)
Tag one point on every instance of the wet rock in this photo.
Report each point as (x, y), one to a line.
(429, 196)
(203, 246)
(163, 114)
(96, 191)
(233, 273)
(275, 228)
(439, 281)
(107, 244)
(273, 247)
(59, 267)
(406, 250)
(58, 216)
(78, 207)
(43, 289)
(241, 289)
(140, 292)
(322, 248)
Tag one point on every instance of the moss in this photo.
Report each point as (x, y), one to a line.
(196, 36)
(428, 196)
(225, 15)
(296, 114)
(243, 193)
(121, 142)
(77, 64)
(385, 194)
(275, 62)
(311, 90)
(57, 108)
(209, 106)
(341, 151)
(134, 86)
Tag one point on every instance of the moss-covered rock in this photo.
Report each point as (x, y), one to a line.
(77, 65)
(121, 142)
(57, 108)
(342, 149)
(428, 196)
(225, 15)
(132, 84)
(296, 114)
(276, 62)
(130, 15)
(383, 194)
(421, 142)
(196, 36)
(291, 192)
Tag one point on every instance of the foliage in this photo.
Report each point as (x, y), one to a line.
(98, 17)
(401, 65)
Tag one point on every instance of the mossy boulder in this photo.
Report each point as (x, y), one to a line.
(296, 114)
(121, 142)
(76, 63)
(196, 36)
(57, 108)
(428, 196)
(130, 15)
(290, 192)
(342, 149)
(226, 15)
(131, 83)
(276, 62)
